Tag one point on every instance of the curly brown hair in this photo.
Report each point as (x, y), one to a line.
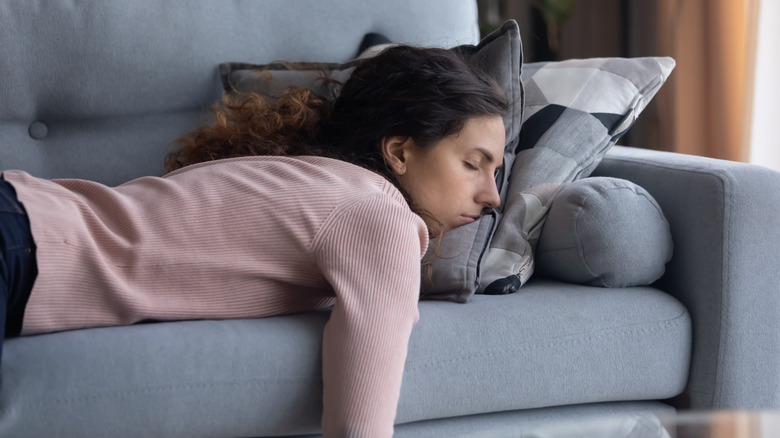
(247, 124)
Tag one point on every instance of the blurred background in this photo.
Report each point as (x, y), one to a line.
(721, 100)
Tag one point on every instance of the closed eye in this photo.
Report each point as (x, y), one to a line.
(470, 166)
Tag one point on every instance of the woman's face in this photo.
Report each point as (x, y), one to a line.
(454, 179)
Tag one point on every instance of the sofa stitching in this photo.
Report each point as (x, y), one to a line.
(725, 304)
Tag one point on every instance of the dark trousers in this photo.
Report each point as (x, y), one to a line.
(18, 267)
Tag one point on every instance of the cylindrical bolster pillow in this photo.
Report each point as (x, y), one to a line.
(604, 232)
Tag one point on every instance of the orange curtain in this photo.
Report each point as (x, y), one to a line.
(707, 111)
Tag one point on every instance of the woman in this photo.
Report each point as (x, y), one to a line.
(279, 207)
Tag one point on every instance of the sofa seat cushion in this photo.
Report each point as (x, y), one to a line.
(551, 344)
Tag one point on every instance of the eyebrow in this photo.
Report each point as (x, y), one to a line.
(486, 153)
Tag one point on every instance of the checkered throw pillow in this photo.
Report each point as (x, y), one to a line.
(575, 110)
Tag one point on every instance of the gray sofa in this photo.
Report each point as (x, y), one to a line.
(97, 89)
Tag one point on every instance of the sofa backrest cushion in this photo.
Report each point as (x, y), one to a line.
(98, 90)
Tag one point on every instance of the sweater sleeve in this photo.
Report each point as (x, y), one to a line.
(370, 253)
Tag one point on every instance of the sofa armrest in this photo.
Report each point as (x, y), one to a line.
(725, 222)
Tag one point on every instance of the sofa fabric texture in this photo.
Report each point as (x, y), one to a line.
(98, 89)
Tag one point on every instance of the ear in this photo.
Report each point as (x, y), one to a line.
(395, 150)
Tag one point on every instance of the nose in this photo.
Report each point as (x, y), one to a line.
(489, 196)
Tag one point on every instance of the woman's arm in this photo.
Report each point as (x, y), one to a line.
(371, 256)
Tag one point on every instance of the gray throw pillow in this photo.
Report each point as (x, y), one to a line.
(575, 110)
(450, 268)
(604, 232)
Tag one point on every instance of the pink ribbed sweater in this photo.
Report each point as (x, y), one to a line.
(241, 238)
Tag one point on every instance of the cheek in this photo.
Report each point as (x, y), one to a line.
(426, 189)
(436, 184)
(447, 191)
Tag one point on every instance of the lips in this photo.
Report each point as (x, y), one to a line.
(469, 219)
